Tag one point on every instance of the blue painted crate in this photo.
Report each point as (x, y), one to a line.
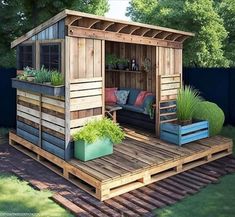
(181, 135)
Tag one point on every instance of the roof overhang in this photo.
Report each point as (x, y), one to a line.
(75, 19)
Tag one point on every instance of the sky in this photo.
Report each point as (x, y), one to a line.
(117, 9)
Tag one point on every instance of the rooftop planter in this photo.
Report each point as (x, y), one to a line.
(40, 81)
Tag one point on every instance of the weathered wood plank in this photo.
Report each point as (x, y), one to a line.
(82, 121)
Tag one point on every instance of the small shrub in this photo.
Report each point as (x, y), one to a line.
(212, 113)
(57, 78)
(186, 103)
(96, 129)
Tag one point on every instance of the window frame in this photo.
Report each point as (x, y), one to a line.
(33, 54)
(50, 43)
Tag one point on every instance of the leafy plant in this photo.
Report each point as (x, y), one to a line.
(42, 75)
(150, 110)
(186, 103)
(122, 61)
(111, 59)
(57, 78)
(96, 129)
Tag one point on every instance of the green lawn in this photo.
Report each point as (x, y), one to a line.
(213, 201)
(17, 196)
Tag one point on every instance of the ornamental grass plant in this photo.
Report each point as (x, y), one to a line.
(187, 101)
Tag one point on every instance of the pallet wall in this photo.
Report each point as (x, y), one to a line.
(86, 81)
(41, 121)
(164, 61)
(143, 80)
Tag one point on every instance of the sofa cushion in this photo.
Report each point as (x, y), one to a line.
(122, 96)
(132, 95)
(132, 108)
(149, 99)
(110, 96)
(140, 98)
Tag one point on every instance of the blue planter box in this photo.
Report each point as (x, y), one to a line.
(38, 88)
(181, 135)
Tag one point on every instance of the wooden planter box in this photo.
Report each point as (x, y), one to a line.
(180, 135)
(86, 151)
(44, 89)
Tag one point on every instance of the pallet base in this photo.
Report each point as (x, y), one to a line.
(105, 189)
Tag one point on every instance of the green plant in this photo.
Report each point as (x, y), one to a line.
(42, 75)
(111, 59)
(28, 72)
(96, 129)
(150, 110)
(122, 61)
(212, 113)
(57, 78)
(186, 103)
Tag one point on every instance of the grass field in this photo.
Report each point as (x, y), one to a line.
(213, 201)
(17, 198)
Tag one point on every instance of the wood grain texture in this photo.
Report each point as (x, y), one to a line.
(139, 161)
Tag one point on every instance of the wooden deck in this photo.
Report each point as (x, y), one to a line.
(137, 162)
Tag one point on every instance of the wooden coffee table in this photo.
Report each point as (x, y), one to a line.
(111, 111)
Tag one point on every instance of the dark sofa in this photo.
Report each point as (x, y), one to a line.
(136, 116)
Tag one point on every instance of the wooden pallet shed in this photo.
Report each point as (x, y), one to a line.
(76, 44)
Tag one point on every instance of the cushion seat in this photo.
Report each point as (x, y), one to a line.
(132, 108)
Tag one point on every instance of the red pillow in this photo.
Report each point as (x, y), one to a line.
(140, 98)
(110, 96)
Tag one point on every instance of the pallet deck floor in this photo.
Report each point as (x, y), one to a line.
(139, 161)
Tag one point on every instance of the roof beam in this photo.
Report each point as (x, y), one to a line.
(129, 29)
(117, 27)
(104, 25)
(88, 23)
(162, 35)
(141, 31)
(172, 37)
(182, 38)
(75, 31)
(71, 19)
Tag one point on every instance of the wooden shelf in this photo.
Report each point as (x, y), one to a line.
(117, 70)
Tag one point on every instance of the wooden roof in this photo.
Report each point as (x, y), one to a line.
(94, 22)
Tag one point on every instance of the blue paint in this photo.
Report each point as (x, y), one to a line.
(181, 135)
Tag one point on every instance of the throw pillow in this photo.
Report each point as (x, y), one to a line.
(110, 96)
(140, 98)
(122, 96)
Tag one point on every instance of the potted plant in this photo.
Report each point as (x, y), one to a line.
(111, 61)
(122, 63)
(96, 139)
(185, 129)
(187, 100)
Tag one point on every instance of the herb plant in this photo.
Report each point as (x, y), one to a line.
(57, 78)
(42, 76)
(187, 100)
(97, 129)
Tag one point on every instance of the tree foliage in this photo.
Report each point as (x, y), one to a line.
(19, 16)
(226, 9)
(206, 49)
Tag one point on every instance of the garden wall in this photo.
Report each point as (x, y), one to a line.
(7, 98)
(216, 85)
